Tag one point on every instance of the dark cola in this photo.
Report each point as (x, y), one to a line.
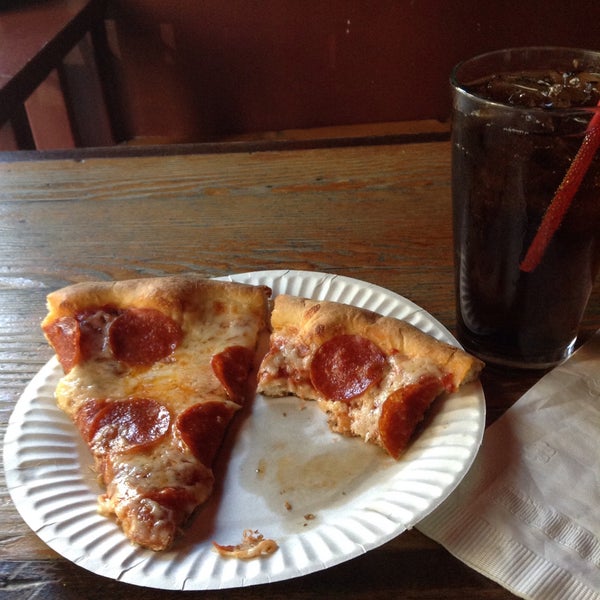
(511, 152)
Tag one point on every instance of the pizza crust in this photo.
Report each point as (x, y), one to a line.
(315, 321)
(172, 295)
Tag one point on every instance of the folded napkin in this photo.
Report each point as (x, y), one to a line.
(527, 515)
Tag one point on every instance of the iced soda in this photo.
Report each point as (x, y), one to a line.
(519, 118)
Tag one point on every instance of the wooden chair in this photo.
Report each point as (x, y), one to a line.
(49, 84)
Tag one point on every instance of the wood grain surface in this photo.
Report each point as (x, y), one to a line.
(378, 213)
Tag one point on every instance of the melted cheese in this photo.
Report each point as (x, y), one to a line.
(180, 381)
(168, 464)
(287, 370)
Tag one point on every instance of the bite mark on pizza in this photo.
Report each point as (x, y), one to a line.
(374, 376)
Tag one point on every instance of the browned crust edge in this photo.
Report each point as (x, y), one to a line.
(173, 295)
(315, 321)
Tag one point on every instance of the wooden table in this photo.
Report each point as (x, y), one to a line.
(380, 213)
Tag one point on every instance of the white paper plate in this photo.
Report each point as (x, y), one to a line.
(324, 498)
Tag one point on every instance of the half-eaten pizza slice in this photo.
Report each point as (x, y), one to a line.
(154, 370)
(374, 376)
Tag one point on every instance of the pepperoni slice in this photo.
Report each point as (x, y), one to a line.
(202, 428)
(143, 336)
(232, 367)
(345, 366)
(84, 419)
(123, 425)
(403, 410)
(64, 336)
(94, 325)
(78, 338)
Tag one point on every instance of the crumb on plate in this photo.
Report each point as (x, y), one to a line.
(253, 545)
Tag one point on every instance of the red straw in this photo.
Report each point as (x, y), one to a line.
(564, 195)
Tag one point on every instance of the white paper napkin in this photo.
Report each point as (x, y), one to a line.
(527, 515)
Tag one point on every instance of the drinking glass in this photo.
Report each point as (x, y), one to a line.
(526, 201)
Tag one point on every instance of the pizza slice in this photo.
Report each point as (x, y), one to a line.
(154, 371)
(374, 376)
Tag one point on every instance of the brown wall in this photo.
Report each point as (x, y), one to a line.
(197, 69)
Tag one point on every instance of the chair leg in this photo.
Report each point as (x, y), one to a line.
(20, 130)
(102, 58)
